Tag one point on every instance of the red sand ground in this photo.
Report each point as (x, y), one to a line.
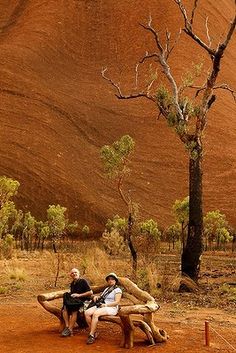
(27, 328)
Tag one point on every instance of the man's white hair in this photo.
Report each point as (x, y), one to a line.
(74, 269)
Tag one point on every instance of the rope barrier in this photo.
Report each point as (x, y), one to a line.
(224, 339)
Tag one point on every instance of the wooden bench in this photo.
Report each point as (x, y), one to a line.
(136, 310)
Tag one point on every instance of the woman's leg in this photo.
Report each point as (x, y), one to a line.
(95, 316)
(88, 315)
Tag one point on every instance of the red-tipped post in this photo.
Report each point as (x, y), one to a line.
(207, 334)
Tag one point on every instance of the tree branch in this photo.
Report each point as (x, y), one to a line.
(226, 87)
(224, 44)
(161, 56)
(207, 32)
(188, 28)
(169, 49)
(193, 11)
(120, 95)
(222, 86)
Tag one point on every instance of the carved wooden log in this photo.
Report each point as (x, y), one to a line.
(128, 331)
(44, 299)
(145, 328)
(131, 298)
(139, 309)
(133, 289)
(136, 322)
(115, 320)
(159, 335)
(143, 304)
(51, 296)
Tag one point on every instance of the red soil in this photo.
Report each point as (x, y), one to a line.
(27, 328)
(57, 111)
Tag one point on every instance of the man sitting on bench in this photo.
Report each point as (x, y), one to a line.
(73, 301)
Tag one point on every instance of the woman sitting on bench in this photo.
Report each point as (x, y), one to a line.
(105, 304)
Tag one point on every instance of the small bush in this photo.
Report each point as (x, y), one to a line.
(3, 290)
(6, 246)
(17, 274)
(113, 242)
(148, 279)
(229, 291)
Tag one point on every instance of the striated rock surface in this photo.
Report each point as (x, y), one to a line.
(57, 112)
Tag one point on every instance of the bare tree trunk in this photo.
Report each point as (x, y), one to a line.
(234, 243)
(58, 269)
(131, 246)
(194, 245)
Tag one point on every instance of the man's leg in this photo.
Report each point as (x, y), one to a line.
(65, 316)
(72, 320)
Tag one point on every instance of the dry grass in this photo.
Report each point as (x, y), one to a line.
(28, 274)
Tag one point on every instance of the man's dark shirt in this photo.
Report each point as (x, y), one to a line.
(80, 286)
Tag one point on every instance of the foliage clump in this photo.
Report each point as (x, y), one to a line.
(114, 157)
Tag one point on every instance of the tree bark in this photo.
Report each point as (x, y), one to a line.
(131, 246)
(194, 246)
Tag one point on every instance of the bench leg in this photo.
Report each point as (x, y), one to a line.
(128, 331)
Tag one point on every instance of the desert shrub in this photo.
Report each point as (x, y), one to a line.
(96, 264)
(6, 246)
(3, 290)
(147, 240)
(229, 291)
(148, 279)
(85, 230)
(215, 229)
(173, 235)
(17, 274)
(8, 214)
(56, 222)
(113, 242)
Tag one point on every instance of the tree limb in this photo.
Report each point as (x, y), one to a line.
(161, 56)
(193, 11)
(207, 32)
(188, 29)
(120, 95)
(226, 87)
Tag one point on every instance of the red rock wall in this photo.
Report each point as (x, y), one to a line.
(56, 110)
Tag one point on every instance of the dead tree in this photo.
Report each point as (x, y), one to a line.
(187, 116)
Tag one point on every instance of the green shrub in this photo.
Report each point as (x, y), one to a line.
(113, 242)
(3, 290)
(17, 274)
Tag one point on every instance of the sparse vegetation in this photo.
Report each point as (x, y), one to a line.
(183, 111)
(18, 274)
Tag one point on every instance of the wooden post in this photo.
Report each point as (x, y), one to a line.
(207, 335)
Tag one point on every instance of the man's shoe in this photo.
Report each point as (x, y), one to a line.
(66, 332)
(91, 339)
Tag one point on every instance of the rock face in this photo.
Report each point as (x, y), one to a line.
(57, 111)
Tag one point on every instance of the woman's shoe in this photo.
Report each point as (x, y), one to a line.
(91, 339)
